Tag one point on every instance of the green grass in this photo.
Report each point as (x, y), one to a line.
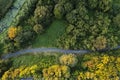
(32, 59)
(48, 38)
(51, 58)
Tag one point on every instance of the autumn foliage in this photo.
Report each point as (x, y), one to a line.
(89, 67)
(12, 32)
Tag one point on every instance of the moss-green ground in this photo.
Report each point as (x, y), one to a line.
(49, 37)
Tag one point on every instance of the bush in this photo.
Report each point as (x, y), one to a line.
(100, 67)
(17, 38)
(92, 4)
(68, 60)
(116, 20)
(42, 15)
(59, 11)
(105, 5)
(100, 43)
(38, 28)
(68, 7)
(4, 66)
(56, 72)
(12, 32)
(31, 21)
(21, 72)
(9, 47)
(45, 2)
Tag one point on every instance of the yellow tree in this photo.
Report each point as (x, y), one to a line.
(12, 32)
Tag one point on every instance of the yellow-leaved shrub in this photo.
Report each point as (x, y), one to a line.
(12, 32)
(21, 72)
(101, 68)
(56, 72)
(68, 59)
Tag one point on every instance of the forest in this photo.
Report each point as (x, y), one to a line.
(64, 24)
(92, 25)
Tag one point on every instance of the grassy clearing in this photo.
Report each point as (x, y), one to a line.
(48, 39)
(32, 59)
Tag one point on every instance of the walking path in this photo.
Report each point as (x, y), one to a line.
(53, 50)
(40, 50)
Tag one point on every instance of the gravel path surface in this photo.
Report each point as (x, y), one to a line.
(52, 50)
(40, 50)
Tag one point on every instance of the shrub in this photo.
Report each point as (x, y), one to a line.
(59, 11)
(12, 32)
(69, 60)
(4, 66)
(100, 43)
(116, 20)
(68, 7)
(101, 67)
(105, 5)
(56, 72)
(38, 28)
(41, 14)
(101, 5)
(9, 47)
(17, 38)
(21, 72)
(31, 21)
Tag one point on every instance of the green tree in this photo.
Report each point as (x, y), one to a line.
(41, 14)
(81, 9)
(92, 4)
(4, 66)
(63, 1)
(9, 47)
(105, 5)
(38, 28)
(116, 20)
(70, 28)
(100, 43)
(68, 7)
(31, 21)
(28, 35)
(72, 17)
(59, 11)
(45, 2)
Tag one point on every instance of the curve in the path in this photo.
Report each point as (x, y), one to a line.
(40, 50)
